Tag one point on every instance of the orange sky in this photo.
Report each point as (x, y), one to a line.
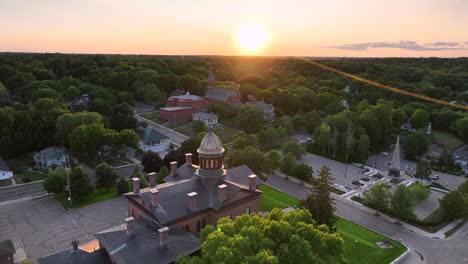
(295, 27)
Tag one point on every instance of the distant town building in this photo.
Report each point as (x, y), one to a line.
(51, 158)
(407, 127)
(460, 156)
(152, 140)
(215, 95)
(188, 100)
(268, 109)
(351, 90)
(5, 172)
(176, 113)
(210, 120)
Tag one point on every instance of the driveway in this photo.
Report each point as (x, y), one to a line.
(22, 191)
(43, 227)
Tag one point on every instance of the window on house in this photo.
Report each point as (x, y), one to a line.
(247, 210)
(198, 226)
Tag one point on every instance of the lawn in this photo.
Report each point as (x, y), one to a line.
(272, 198)
(31, 175)
(446, 139)
(98, 196)
(365, 250)
(225, 134)
(154, 117)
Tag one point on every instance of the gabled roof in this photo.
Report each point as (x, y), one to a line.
(77, 257)
(220, 94)
(144, 245)
(53, 152)
(3, 165)
(240, 175)
(261, 104)
(149, 134)
(202, 115)
(187, 97)
(6, 248)
(184, 172)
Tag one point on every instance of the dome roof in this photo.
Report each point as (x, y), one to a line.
(210, 145)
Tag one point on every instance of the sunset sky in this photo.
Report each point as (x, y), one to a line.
(400, 28)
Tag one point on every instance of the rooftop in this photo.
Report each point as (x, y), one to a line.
(202, 115)
(187, 97)
(77, 256)
(149, 134)
(175, 108)
(220, 94)
(53, 152)
(210, 145)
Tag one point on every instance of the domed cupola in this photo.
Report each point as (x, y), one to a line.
(210, 155)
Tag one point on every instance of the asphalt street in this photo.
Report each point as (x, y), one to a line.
(16, 192)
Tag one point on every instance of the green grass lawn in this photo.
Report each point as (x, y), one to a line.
(272, 198)
(31, 175)
(446, 139)
(365, 250)
(98, 196)
(154, 117)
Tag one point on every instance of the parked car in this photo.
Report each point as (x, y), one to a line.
(435, 177)
(384, 153)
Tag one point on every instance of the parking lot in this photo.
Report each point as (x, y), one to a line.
(43, 227)
(17, 192)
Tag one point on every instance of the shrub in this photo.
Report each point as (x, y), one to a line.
(420, 191)
(26, 179)
(122, 186)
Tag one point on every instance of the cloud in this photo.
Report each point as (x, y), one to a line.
(404, 44)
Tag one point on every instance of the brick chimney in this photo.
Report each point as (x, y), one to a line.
(163, 236)
(188, 159)
(154, 197)
(192, 199)
(173, 168)
(130, 228)
(152, 179)
(74, 244)
(222, 192)
(136, 185)
(253, 182)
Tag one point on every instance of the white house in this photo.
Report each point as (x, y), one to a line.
(460, 156)
(51, 158)
(210, 120)
(152, 140)
(5, 172)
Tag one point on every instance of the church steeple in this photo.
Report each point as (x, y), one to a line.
(211, 78)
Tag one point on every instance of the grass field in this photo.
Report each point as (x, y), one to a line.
(445, 139)
(225, 134)
(153, 117)
(98, 196)
(360, 247)
(272, 198)
(31, 175)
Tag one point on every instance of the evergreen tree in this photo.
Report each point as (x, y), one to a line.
(79, 183)
(319, 202)
(105, 177)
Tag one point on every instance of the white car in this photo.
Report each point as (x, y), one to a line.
(384, 153)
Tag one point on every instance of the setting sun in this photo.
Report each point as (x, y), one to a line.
(251, 37)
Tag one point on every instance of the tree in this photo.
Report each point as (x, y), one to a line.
(312, 121)
(250, 118)
(69, 121)
(163, 173)
(122, 186)
(423, 170)
(293, 147)
(463, 188)
(142, 176)
(303, 172)
(415, 145)
(198, 126)
(288, 163)
(152, 162)
(319, 202)
(461, 128)
(105, 177)
(402, 203)
(399, 117)
(277, 238)
(454, 204)
(377, 196)
(274, 159)
(56, 180)
(362, 149)
(419, 119)
(420, 191)
(80, 185)
(252, 157)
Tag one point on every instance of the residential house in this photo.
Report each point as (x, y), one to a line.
(460, 156)
(268, 109)
(210, 120)
(152, 140)
(5, 172)
(51, 158)
(407, 127)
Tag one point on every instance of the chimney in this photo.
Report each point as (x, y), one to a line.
(252, 182)
(222, 192)
(188, 159)
(136, 185)
(173, 168)
(163, 236)
(130, 228)
(154, 197)
(74, 244)
(152, 179)
(192, 200)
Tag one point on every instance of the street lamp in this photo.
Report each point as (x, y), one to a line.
(69, 190)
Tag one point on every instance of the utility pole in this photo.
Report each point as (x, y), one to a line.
(69, 190)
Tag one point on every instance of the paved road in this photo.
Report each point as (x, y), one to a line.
(13, 193)
(174, 136)
(43, 227)
(454, 250)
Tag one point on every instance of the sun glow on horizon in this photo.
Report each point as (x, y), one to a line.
(251, 37)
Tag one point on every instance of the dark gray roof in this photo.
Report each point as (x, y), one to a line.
(6, 248)
(240, 175)
(220, 94)
(184, 172)
(3, 165)
(77, 257)
(202, 115)
(53, 153)
(187, 97)
(144, 245)
(149, 134)
(261, 104)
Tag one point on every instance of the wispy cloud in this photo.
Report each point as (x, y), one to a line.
(404, 44)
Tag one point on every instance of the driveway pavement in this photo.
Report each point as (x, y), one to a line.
(174, 136)
(22, 191)
(43, 227)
